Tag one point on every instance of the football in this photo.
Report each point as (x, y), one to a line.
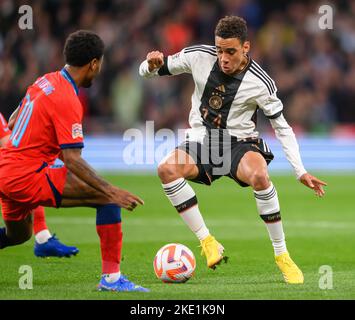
(174, 263)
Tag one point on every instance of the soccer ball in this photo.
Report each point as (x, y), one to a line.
(174, 263)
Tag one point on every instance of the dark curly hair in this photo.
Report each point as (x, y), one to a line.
(232, 27)
(81, 47)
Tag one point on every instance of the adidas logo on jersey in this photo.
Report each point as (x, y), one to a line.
(221, 88)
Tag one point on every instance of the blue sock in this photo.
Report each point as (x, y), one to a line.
(108, 214)
(4, 240)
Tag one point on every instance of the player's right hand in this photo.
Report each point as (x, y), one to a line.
(155, 60)
(125, 199)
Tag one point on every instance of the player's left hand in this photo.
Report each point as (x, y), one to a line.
(313, 183)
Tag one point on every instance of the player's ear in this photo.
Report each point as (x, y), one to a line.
(246, 47)
(93, 64)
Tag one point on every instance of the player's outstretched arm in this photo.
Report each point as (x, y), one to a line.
(156, 64)
(286, 136)
(78, 166)
(272, 108)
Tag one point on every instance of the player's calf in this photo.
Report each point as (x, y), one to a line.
(173, 171)
(15, 232)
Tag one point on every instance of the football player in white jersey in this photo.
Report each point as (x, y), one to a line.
(229, 89)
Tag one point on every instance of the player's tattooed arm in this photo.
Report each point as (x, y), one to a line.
(78, 166)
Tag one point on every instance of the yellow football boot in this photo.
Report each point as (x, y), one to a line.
(291, 273)
(213, 251)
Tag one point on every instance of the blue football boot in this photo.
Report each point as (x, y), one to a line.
(54, 248)
(121, 285)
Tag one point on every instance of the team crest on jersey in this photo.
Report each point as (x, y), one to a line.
(216, 102)
(77, 130)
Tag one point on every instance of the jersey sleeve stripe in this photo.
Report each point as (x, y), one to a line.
(164, 70)
(257, 67)
(201, 50)
(266, 78)
(78, 145)
(262, 79)
(211, 48)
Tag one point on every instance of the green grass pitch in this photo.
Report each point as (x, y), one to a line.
(318, 232)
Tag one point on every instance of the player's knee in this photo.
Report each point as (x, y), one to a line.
(259, 180)
(167, 172)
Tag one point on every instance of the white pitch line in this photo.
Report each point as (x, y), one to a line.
(322, 224)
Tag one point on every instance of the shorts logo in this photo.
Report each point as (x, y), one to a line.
(77, 130)
(255, 146)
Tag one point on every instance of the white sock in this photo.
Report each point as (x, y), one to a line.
(183, 198)
(268, 206)
(112, 277)
(43, 236)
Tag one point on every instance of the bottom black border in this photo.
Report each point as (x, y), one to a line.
(181, 309)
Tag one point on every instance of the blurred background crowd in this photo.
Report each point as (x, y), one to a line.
(314, 69)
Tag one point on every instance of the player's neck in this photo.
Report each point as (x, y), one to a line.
(75, 74)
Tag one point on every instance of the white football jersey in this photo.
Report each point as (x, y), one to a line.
(221, 101)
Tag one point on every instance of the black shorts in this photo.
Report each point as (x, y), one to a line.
(216, 158)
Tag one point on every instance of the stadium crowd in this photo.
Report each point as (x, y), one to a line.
(314, 69)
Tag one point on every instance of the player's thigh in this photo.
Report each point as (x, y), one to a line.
(252, 169)
(178, 164)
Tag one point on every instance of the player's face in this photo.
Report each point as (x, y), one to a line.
(94, 69)
(231, 54)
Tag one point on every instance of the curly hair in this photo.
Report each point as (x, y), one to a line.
(81, 47)
(232, 27)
